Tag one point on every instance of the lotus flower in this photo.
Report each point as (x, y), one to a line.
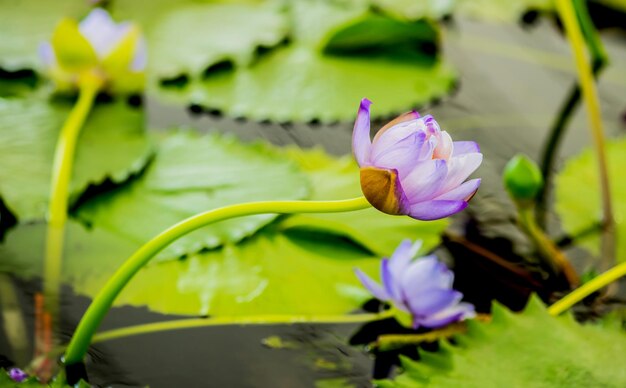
(421, 287)
(98, 46)
(414, 168)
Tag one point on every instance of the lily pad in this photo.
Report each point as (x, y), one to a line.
(531, 349)
(334, 179)
(578, 202)
(334, 59)
(112, 145)
(192, 174)
(25, 24)
(270, 273)
(186, 37)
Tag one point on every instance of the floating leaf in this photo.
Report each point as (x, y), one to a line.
(339, 179)
(192, 174)
(112, 146)
(270, 273)
(578, 201)
(186, 37)
(334, 59)
(531, 349)
(25, 24)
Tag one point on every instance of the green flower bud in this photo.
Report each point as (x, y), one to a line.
(522, 178)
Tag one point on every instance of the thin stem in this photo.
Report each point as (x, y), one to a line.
(559, 127)
(552, 255)
(222, 321)
(590, 96)
(387, 342)
(59, 189)
(104, 300)
(595, 284)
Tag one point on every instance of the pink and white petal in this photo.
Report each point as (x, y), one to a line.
(141, 56)
(403, 118)
(395, 134)
(444, 147)
(435, 209)
(422, 275)
(425, 180)
(101, 31)
(459, 168)
(465, 147)
(402, 257)
(361, 141)
(373, 287)
(452, 314)
(46, 53)
(432, 126)
(390, 283)
(463, 192)
(432, 301)
(402, 156)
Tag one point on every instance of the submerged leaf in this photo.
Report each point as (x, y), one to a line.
(531, 349)
(112, 145)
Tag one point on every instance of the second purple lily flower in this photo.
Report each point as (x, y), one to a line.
(414, 168)
(420, 287)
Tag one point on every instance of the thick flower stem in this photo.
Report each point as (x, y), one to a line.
(595, 284)
(243, 320)
(104, 300)
(599, 59)
(61, 177)
(590, 97)
(549, 252)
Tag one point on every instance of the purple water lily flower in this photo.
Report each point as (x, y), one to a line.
(421, 287)
(114, 51)
(17, 375)
(414, 168)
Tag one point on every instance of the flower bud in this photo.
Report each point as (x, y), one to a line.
(413, 168)
(99, 47)
(522, 178)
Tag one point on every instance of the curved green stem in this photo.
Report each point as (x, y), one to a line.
(551, 254)
(104, 300)
(222, 321)
(59, 188)
(595, 284)
(590, 97)
(599, 59)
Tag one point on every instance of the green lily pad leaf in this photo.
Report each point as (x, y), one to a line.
(192, 174)
(25, 24)
(578, 201)
(531, 349)
(270, 273)
(335, 58)
(112, 145)
(334, 179)
(186, 37)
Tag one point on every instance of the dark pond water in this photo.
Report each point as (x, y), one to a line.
(512, 82)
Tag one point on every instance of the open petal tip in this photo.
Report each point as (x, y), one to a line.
(436, 209)
(365, 103)
(374, 288)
